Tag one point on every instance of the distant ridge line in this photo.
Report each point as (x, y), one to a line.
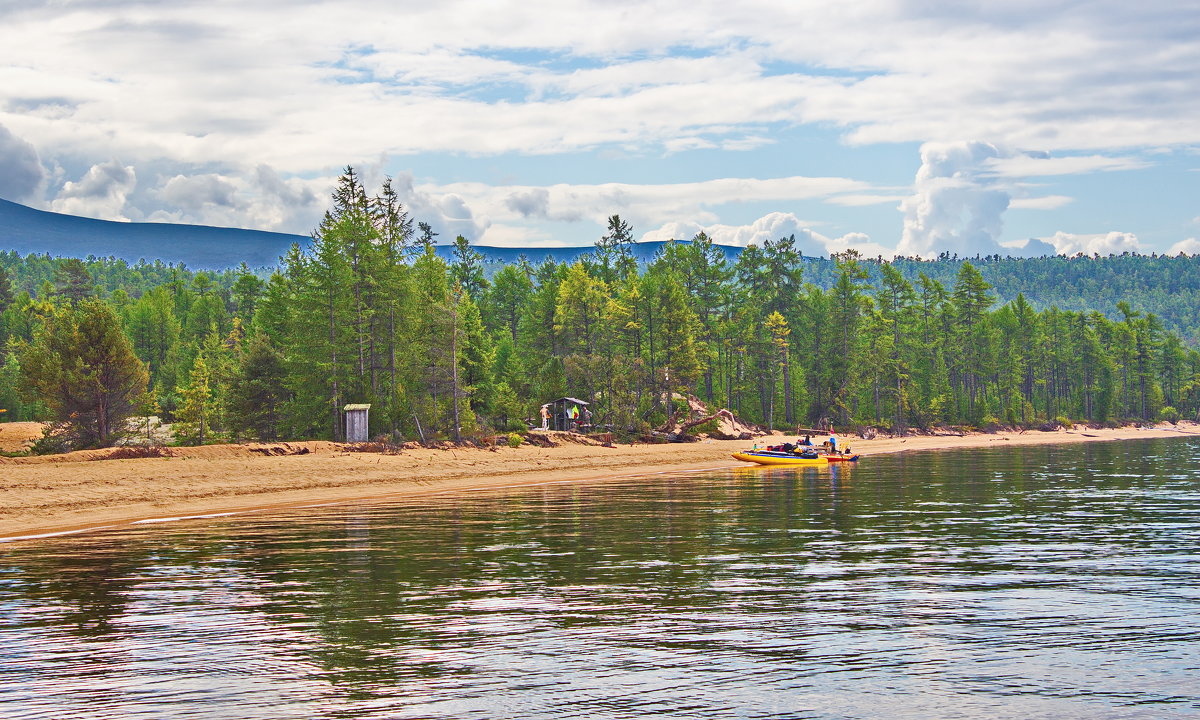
(202, 247)
(27, 231)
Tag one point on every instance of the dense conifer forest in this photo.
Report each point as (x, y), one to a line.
(368, 313)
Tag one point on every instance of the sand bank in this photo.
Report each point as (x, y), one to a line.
(77, 491)
(18, 436)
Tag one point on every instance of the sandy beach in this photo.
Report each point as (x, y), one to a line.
(82, 491)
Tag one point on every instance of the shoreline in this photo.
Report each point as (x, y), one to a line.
(55, 495)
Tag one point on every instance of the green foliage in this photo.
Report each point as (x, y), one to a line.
(197, 405)
(72, 281)
(368, 313)
(257, 393)
(515, 440)
(83, 368)
(6, 290)
(10, 396)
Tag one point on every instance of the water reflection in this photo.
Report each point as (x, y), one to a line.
(1029, 582)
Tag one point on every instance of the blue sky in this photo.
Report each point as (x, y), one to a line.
(889, 126)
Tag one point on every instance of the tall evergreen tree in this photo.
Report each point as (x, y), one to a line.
(73, 281)
(197, 404)
(257, 392)
(83, 367)
(467, 268)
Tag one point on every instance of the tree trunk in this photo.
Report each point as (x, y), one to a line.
(788, 412)
(454, 370)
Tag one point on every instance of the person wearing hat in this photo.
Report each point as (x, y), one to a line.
(545, 417)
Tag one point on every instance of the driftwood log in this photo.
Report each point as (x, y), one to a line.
(718, 414)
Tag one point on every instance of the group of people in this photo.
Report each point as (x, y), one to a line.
(576, 415)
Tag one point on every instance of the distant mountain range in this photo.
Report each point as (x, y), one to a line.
(201, 247)
(197, 246)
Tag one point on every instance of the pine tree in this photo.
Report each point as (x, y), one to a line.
(247, 290)
(506, 298)
(73, 281)
(83, 367)
(155, 332)
(897, 307)
(6, 291)
(6, 301)
(971, 301)
(614, 250)
(579, 310)
(777, 326)
(847, 305)
(196, 404)
(467, 268)
(257, 392)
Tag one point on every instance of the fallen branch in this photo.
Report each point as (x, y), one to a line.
(720, 413)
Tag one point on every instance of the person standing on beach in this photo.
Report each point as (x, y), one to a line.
(545, 417)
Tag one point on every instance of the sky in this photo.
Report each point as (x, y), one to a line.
(893, 127)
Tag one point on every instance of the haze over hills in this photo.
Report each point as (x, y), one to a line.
(202, 247)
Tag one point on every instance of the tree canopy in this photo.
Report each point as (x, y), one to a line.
(368, 312)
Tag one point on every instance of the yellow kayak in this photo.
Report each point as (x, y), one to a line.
(767, 457)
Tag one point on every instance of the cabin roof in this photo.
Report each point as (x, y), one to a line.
(577, 401)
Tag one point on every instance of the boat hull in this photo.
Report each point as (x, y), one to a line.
(778, 459)
(773, 458)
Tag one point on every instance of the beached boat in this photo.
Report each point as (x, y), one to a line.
(771, 457)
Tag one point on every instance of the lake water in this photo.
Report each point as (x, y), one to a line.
(1052, 582)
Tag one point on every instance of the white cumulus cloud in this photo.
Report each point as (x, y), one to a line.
(257, 197)
(1110, 243)
(957, 205)
(690, 204)
(1190, 246)
(448, 213)
(100, 193)
(771, 226)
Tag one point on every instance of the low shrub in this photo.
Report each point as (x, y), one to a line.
(991, 424)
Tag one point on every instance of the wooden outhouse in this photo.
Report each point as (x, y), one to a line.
(356, 422)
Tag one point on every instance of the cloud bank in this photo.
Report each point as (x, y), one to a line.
(100, 193)
(194, 106)
(21, 173)
(1110, 243)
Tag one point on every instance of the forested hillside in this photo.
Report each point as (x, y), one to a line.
(1166, 286)
(370, 313)
(27, 230)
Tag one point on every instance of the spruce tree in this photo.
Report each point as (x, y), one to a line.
(257, 392)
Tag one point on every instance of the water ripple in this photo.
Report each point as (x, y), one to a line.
(1025, 582)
